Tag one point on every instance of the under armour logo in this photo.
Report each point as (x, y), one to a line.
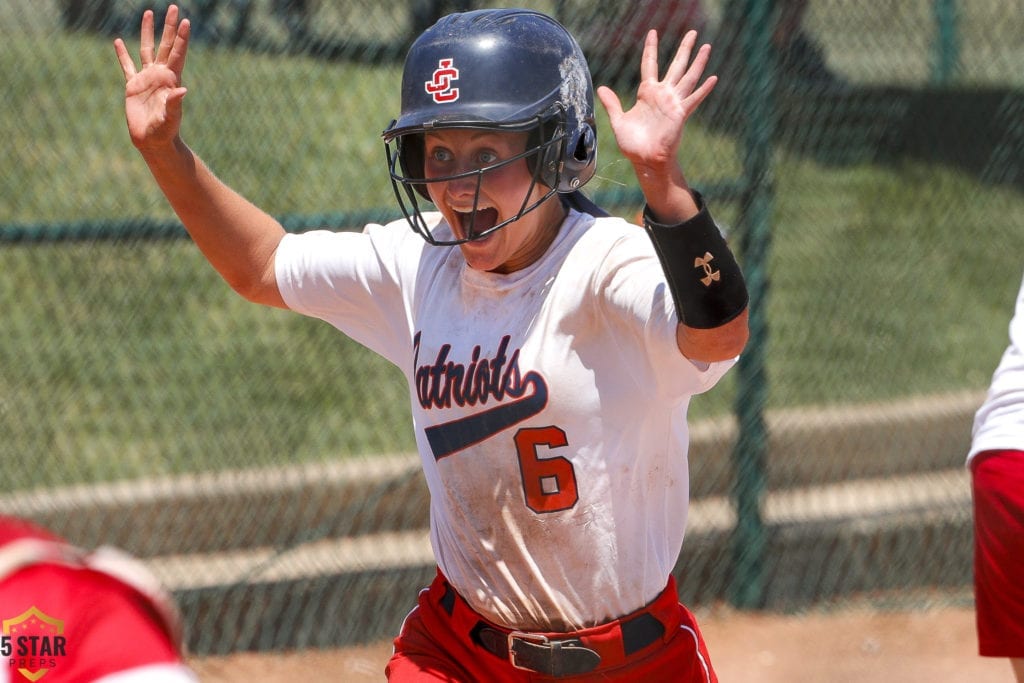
(705, 263)
(440, 85)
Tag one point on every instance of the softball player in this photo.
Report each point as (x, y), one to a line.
(996, 461)
(551, 351)
(73, 615)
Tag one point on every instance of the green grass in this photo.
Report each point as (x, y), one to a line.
(133, 358)
(889, 283)
(128, 360)
(299, 143)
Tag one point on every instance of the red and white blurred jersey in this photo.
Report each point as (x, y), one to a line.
(71, 615)
(549, 407)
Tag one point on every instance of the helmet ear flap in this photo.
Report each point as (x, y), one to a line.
(410, 158)
(568, 164)
(580, 158)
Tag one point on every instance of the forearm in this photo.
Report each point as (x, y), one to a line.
(705, 282)
(666, 192)
(724, 342)
(236, 237)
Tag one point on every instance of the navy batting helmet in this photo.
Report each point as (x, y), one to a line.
(512, 70)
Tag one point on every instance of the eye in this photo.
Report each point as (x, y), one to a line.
(440, 154)
(487, 157)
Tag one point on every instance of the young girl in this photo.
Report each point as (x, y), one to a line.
(550, 351)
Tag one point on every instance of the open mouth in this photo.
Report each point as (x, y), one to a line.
(473, 223)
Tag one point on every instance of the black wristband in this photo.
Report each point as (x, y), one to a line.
(705, 281)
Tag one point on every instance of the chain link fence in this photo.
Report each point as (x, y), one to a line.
(865, 158)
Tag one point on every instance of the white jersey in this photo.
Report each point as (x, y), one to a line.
(549, 407)
(999, 423)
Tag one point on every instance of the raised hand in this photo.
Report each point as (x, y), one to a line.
(153, 94)
(650, 132)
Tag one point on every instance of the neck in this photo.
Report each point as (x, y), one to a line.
(549, 216)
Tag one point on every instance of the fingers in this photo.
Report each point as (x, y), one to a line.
(610, 101)
(677, 68)
(696, 69)
(127, 65)
(702, 92)
(179, 49)
(146, 39)
(171, 51)
(682, 73)
(649, 59)
(170, 31)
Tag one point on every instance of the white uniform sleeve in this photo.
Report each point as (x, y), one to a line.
(999, 422)
(626, 280)
(352, 281)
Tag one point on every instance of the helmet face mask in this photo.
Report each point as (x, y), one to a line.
(500, 71)
(410, 189)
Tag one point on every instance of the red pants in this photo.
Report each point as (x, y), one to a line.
(442, 639)
(998, 490)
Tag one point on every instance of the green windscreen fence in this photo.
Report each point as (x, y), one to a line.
(865, 160)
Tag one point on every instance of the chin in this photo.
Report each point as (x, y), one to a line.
(479, 261)
(479, 257)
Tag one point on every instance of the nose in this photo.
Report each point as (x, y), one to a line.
(465, 186)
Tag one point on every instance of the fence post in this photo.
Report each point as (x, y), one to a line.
(749, 456)
(947, 51)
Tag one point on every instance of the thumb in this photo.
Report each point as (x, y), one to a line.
(610, 101)
(177, 95)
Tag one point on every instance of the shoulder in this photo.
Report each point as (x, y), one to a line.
(395, 233)
(400, 231)
(385, 242)
(596, 230)
(610, 229)
(609, 240)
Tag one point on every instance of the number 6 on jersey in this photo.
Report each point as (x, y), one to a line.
(549, 483)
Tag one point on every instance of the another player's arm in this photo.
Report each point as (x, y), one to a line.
(239, 239)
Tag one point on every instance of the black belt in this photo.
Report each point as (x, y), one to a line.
(567, 656)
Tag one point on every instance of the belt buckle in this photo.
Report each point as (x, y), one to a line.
(528, 637)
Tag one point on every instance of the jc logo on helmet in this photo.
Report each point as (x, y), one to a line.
(440, 86)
